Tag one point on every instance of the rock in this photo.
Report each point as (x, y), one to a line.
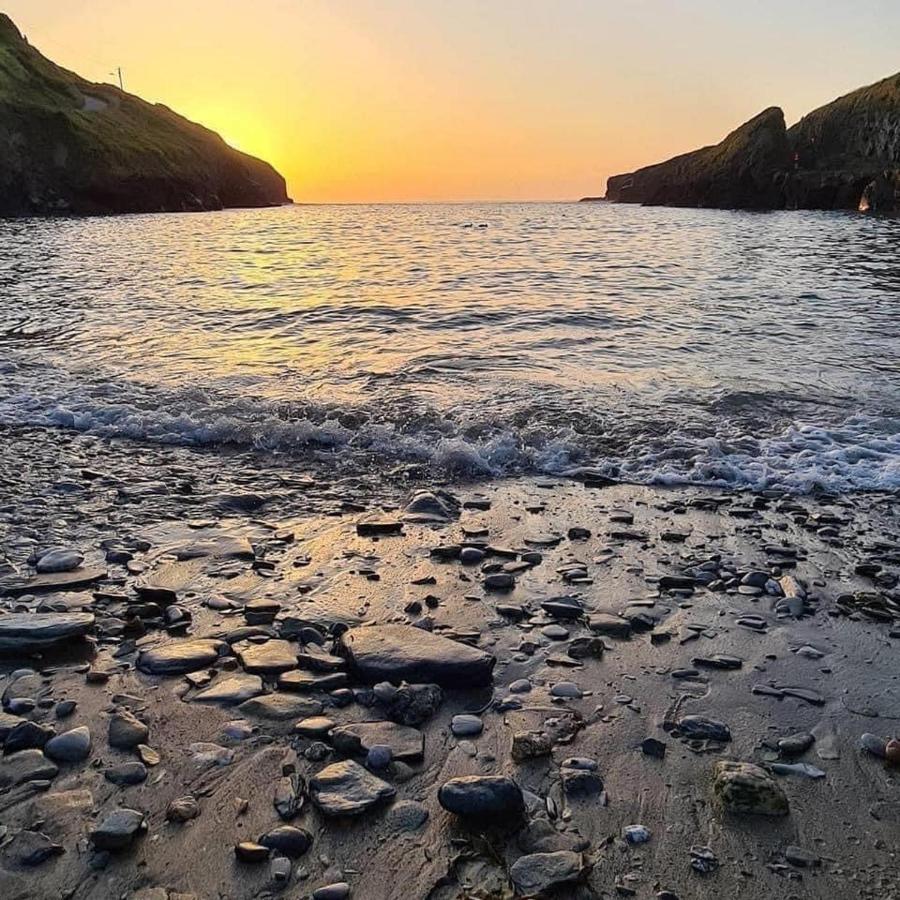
(219, 547)
(484, 797)
(261, 611)
(580, 777)
(745, 788)
(290, 795)
(26, 736)
(802, 859)
(563, 607)
(118, 830)
(398, 653)
(251, 852)
(24, 766)
(286, 839)
(180, 657)
(804, 769)
(22, 633)
(60, 559)
(375, 527)
(407, 815)
(636, 834)
(379, 757)
(281, 869)
(610, 625)
(228, 691)
(431, 506)
(466, 725)
(70, 746)
(340, 890)
(538, 873)
(32, 848)
(795, 744)
(347, 789)
(281, 706)
(653, 747)
(892, 752)
(315, 727)
(406, 743)
(8, 723)
(148, 756)
(529, 745)
(126, 731)
(207, 754)
(410, 704)
(128, 773)
(566, 689)
(61, 581)
(873, 744)
(183, 809)
(700, 728)
(499, 581)
(299, 681)
(270, 657)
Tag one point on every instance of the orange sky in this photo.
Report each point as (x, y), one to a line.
(380, 100)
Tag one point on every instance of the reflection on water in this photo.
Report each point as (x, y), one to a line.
(710, 345)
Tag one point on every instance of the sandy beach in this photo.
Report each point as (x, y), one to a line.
(641, 636)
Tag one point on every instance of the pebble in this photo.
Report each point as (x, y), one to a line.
(466, 725)
(482, 797)
(70, 746)
(340, 890)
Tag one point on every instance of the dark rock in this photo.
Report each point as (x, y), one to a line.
(286, 839)
(126, 731)
(70, 746)
(539, 873)
(26, 632)
(611, 625)
(118, 830)
(24, 766)
(125, 774)
(290, 796)
(745, 788)
(699, 728)
(406, 743)
(26, 736)
(482, 797)
(347, 789)
(250, 852)
(652, 747)
(32, 848)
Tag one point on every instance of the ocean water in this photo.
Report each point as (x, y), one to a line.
(657, 345)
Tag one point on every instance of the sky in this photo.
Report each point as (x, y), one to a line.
(431, 100)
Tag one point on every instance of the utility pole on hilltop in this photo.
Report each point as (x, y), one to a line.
(118, 72)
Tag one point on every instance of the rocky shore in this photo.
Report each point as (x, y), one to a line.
(226, 677)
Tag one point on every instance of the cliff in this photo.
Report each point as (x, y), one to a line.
(70, 146)
(845, 155)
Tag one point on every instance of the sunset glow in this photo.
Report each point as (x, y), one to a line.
(432, 100)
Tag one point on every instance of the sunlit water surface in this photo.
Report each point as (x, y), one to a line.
(658, 345)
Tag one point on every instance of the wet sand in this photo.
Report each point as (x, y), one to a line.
(605, 546)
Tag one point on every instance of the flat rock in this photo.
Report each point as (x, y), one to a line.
(399, 653)
(301, 682)
(700, 728)
(53, 581)
(482, 797)
(228, 691)
(268, 657)
(26, 765)
(536, 874)
(406, 743)
(59, 559)
(347, 789)
(126, 731)
(180, 657)
(218, 547)
(281, 706)
(747, 789)
(610, 625)
(24, 632)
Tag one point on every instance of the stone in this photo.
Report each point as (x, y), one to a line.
(251, 852)
(744, 788)
(32, 848)
(27, 735)
(118, 830)
(314, 657)
(148, 756)
(801, 858)
(269, 658)
(261, 611)
(299, 681)
(636, 834)
(485, 797)
(287, 839)
(180, 657)
(411, 704)
(315, 727)
(182, 809)
(399, 653)
(128, 773)
(566, 689)
(873, 744)
(375, 527)
(280, 706)
(126, 731)
(7, 724)
(347, 789)
(653, 747)
(795, 744)
(70, 746)
(700, 728)
(228, 691)
(26, 765)
(610, 625)
(580, 777)
(407, 815)
(431, 506)
(340, 890)
(26, 632)
(290, 796)
(406, 743)
(499, 581)
(379, 757)
(528, 745)
(205, 753)
(539, 873)
(466, 725)
(59, 559)
(56, 581)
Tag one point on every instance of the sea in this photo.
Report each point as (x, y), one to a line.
(663, 346)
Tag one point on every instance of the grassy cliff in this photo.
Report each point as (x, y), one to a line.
(68, 145)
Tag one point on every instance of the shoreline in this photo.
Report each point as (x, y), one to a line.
(185, 523)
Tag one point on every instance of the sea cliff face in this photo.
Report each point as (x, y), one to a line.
(73, 147)
(845, 155)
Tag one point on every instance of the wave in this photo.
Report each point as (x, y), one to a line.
(861, 452)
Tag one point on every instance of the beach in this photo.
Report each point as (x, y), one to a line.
(642, 634)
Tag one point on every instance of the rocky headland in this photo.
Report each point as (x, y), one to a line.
(68, 146)
(222, 678)
(845, 155)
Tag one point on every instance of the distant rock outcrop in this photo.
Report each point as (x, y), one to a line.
(845, 155)
(70, 146)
